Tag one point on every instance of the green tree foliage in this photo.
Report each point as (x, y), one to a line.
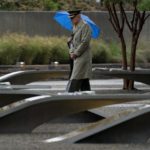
(46, 4)
(51, 5)
(19, 5)
(65, 4)
(29, 5)
(144, 5)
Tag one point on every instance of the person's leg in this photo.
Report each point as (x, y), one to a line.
(71, 67)
(85, 85)
(73, 86)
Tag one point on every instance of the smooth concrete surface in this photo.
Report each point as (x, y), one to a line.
(108, 111)
(142, 75)
(11, 93)
(7, 98)
(22, 87)
(133, 131)
(24, 77)
(105, 124)
(42, 23)
(102, 86)
(113, 109)
(25, 115)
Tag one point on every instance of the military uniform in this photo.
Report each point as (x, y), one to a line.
(69, 43)
(82, 67)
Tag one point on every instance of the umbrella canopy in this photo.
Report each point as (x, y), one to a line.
(62, 17)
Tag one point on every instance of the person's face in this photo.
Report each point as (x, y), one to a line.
(76, 19)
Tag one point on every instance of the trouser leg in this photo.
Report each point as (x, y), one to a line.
(73, 85)
(85, 85)
(71, 67)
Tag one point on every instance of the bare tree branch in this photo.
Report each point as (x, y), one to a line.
(133, 18)
(115, 15)
(123, 24)
(141, 21)
(122, 16)
(137, 19)
(113, 25)
(143, 17)
(139, 14)
(111, 19)
(126, 18)
(147, 17)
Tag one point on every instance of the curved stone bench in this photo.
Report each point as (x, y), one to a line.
(129, 126)
(11, 96)
(24, 77)
(25, 115)
(142, 75)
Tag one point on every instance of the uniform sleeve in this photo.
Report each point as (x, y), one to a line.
(71, 49)
(85, 39)
(69, 43)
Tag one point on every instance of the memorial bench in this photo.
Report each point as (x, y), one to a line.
(25, 115)
(24, 111)
(142, 75)
(24, 77)
(128, 126)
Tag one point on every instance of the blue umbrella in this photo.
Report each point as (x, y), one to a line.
(62, 17)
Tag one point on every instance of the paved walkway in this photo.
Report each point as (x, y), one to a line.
(96, 85)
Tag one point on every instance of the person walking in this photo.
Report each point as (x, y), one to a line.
(80, 53)
(69, 43)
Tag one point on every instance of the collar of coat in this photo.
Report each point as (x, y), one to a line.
(78, 26)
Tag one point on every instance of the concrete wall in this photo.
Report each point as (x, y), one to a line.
(42, 23)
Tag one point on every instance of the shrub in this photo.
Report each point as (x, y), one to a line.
(9, 50)
(100, 51)
(143, 53)
(59, 50)
(44, 50)
(32, 50)
(115, 52)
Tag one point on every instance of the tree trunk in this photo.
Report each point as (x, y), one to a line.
(133, 59)
(124, 61)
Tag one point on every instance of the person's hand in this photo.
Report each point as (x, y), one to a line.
(73, 56)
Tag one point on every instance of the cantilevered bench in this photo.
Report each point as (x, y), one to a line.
(25, 115)
(24, 77)
(11, 96)
(128, 126)
(13, 93)
(142, 75)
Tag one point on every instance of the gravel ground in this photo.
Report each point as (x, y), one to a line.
(31, 142)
